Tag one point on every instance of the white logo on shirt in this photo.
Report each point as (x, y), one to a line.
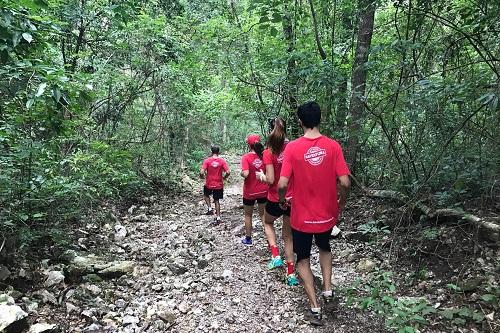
(257, 163)
(315, 155)
(281, 157)
(215, 164)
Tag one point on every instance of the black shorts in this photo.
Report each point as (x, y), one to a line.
(302, 243)
(251, 202)
(274, 209)
(217, 194)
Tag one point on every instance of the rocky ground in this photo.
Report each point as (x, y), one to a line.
(160, 266)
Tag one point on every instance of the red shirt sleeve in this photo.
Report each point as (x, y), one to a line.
(225, 167)
(244, 163)
(286, 167)
(341, 168)
(267, 158)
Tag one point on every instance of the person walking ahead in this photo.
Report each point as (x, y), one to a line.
(253, 190)
(215, 170)
(273, 157)
(315, 162)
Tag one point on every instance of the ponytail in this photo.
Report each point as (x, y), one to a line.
(258, 148)
(276, 138)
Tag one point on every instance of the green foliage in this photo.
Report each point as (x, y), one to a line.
(405, 314)
(430, 233)
(373, 228)
(95, 93)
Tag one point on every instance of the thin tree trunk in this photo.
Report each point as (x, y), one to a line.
(291, 82)
(358, 80)
(327, 109)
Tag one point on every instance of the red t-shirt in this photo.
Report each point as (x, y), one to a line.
(276, 161)
(315, 165)
(214, 167)
(252, 187)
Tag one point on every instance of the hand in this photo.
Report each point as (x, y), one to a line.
(341, 203)
(260, 176)
(285, 204)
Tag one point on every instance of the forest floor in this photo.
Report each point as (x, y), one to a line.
(171, 270)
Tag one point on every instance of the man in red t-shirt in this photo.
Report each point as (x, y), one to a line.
(212, 170)
(316, 163)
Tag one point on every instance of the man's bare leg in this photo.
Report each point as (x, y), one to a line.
(304, 268)
(325, 261)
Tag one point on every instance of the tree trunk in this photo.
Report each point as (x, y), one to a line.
(358, 80)
(342, 93)
(291, 82)
(326, 109)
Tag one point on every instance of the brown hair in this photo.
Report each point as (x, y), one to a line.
(276, 138)
(258, 148)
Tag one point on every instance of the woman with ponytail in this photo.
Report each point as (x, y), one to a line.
(253, 190)
(273, 157)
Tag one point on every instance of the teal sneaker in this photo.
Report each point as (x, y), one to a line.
(291, 280)
(275, 262)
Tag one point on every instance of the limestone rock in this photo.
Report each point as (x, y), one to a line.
(42, 328)
(94, 328)
(4, 273)
(365, 265)
(54, 278)
(13, 317)
(129, 320)
(45, 296)
(140, 218)
(120, 232)
(117, 269)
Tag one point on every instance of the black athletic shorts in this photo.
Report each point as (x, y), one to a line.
(302, 243)
(274, 209)
(217, 194)
(251, 202)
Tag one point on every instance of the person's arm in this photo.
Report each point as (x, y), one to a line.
(286, 173)
(203, 172)
(245, 168)
(344, 183)
(226, 170)
(268, 176)
(282, 187)
(343, 187)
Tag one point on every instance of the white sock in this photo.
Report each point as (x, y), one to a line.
(327, 293)
(316, 310)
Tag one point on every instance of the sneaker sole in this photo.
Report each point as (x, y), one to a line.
(314, 322)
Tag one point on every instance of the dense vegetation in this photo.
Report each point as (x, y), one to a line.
(101, 98)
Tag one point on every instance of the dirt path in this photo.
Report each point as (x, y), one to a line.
(182, 274)
(253, 299)
(193, 277)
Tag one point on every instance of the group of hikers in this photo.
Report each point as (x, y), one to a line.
(305, 181)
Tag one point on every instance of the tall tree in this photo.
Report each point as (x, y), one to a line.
(358, 80)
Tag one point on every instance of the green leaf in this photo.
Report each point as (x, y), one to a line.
(274, 32)
(477, 317)
(488, 298)
(264, 19)
(56, 94)
(27, 37)
(41, 89)
(276, 18)
(29, 103)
